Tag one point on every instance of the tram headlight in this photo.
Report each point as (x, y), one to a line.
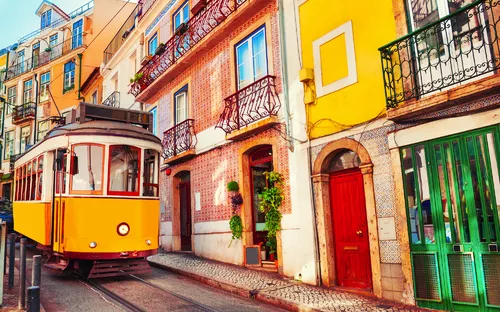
(93, 245)
(148, 242)
(123, 229)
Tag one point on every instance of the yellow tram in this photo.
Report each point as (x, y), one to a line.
(88, 192)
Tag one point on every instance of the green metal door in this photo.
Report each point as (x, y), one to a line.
(453, 198)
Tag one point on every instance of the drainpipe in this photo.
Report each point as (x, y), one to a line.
(37, 97)
(284, 70)
(80, 97)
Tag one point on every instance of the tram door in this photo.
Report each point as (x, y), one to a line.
(59, 206)
(460, 264)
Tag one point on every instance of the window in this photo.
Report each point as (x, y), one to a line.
(124, 170)
(56, 49)
(94, 97)
(88, 179)
(40, 178)
(44, 86)
(9, 144)
(181, 105)
(251, 58)
(153, 44)
(53, 40)
(46, 19)
(61, 176)
(36, 53)
(20, 61)
(25, 139)
(43, 128)
(69, 76)
(28, 92)
(32, 178)
(77, 39)
(150, 173)
(12, 99)
(181, 15)
(155, 122)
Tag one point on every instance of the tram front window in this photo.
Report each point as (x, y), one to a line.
(124, 170)
(88, 179)
(150, 173)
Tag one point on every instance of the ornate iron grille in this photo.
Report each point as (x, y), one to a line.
(462, 278)
(184, 39)
(491, 269)
(250, 104)
(452, 50)
(426, 276)
(180, 138)
(113, 100)
(23, 111)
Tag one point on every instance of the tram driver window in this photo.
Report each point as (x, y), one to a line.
(150, 173)
(88, 179)
(124, 167)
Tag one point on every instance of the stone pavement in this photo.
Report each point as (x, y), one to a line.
(270, 288)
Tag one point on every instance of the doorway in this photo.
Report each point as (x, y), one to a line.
(350, 228)
(452, 191)
(185, 210)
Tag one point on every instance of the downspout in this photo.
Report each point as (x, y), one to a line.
(284, 70)
(80, 77)
(37, 96)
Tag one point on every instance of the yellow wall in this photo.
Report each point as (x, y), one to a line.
(372, 27)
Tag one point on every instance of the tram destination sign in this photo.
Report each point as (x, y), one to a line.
(88, 112)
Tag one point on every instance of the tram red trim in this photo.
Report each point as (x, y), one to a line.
(109, 255)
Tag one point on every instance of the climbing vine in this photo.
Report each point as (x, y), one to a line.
(271, 199)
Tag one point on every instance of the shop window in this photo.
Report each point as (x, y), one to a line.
(88, 178)
(124, 170)
(150, 173)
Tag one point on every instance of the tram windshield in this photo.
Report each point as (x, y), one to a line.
(88, 179)
(124, 170)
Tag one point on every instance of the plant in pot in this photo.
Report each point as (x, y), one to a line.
(136, 77)
(235, 223)
(263, 252)
(271, 199)
(160, 49)
(182, 28)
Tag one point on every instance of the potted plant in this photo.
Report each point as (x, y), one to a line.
(235, 223)
(136, 77)
(263, 252)
(182, 28)
(48, 49)
(160, 49)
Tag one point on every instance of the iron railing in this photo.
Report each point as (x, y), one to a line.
(21, 112)
(120, 36)
(45, 57)
(459, 47)
(180, 138)
(81, 10)
(250, 104)
(144, 6)
(113, 100)
(184, 39)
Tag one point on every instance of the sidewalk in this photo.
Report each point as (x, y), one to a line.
(270, 288)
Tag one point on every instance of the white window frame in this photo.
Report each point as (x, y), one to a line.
(180, 12)
(251, 56)
(44, 85)
(11, 99)
(69, 77)
(183, 92)
(28, 91)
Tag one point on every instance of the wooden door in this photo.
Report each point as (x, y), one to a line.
(352, 251)
(185, 210)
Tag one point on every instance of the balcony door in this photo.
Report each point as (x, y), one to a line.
(452, 51)
(77, 40)
(251, 58)
(181, 105)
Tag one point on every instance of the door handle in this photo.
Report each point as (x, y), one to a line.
(359, 233)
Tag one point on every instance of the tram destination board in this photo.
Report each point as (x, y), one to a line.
(99, 112)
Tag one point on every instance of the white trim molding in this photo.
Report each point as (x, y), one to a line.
(352, 76)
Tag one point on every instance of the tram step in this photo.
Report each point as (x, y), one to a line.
(119, 267)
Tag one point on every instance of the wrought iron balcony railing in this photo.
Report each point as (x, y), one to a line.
(24, 111)
(113, 100)
(250, 104)
(178, 139)
(120, 36)
(184, 39)
(45, 57)
(144, 6)
(457, 48)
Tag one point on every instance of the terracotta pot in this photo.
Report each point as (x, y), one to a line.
(271, 257)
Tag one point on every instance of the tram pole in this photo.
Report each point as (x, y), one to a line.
(22, 274)
(36, 273)
(12, 258)
(33, 299)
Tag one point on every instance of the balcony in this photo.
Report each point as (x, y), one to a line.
(197, 34)
(250, 110)
(23, 113)
(179, 142)
(429, 68)
(50, 54)
(113, 100)
(144, 6)
(120, 37)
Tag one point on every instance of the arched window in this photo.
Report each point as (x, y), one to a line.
(344, 159)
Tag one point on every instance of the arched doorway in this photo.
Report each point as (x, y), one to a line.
(185, 223)
(350, 228)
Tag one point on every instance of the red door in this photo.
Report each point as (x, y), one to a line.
(352, 251)
(185, 205)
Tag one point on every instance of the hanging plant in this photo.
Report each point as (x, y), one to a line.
(271, 199)
(233, 186)
(236, 226)
(235, 223)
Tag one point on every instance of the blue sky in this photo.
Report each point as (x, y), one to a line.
(19, 19)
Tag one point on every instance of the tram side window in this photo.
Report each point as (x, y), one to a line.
(124, 170)
(34, 180)
(88, 179)
(40, 178)
(150, 173)
(23, 191)
(61, 177)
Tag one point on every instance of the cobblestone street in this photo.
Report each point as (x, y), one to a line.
(271, 287)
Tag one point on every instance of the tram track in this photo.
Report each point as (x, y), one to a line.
(129, 306)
